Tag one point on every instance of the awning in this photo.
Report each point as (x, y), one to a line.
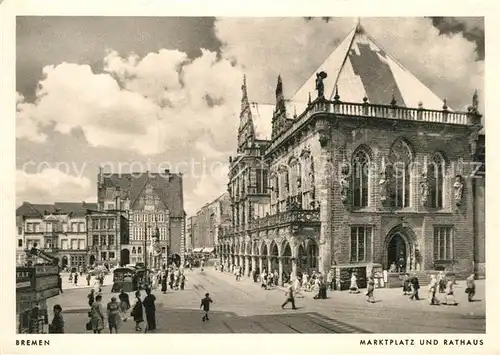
(208, 250)
(197, 250)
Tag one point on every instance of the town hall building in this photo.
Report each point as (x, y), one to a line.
(365, 169)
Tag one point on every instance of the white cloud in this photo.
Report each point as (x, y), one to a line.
(293, 47)
(167, 103)
(52, 185)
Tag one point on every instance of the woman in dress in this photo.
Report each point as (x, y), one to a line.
(137, 312)
(450, 293)
(353, 288)
(406, 285)
(97, 315)
(371, 288)
(124, 304)
(113, 309)
(471, 288)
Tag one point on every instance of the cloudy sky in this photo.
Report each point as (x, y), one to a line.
(153, 93)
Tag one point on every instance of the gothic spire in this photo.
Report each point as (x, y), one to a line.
(246, 131)
(280, 98)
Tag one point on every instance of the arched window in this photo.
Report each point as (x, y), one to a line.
(361, 178)
(435, 176)
(400, 158)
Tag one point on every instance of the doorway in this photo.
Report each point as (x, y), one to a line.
(396, 253)
(124, 257)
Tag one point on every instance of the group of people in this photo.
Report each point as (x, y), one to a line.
(172, 277)
(116, 311)
(439, 284)
(370, 287)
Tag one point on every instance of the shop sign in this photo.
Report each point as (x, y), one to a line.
(45, 282)
(46, 270)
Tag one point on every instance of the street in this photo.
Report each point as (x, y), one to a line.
(243, 307)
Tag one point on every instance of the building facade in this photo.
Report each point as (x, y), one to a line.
(59, 230)
(211, 220)
(107, 232)
(153, 204)
(190, 233)
(374, 171)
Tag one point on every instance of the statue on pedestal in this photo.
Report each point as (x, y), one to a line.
(424, 189)
(458, 186)
(320, 86)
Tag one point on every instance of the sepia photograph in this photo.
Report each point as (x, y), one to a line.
(250, 175)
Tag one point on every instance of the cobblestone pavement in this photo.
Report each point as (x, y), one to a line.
(243, 307)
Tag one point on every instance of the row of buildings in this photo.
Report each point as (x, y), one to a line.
(373, 170)
(133, 212)
(210, 222)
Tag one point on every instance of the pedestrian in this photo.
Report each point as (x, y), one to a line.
(183, 281)
(70, 277)
(329, 279)
(124, 304)
(289, 298)
(59, 283)
(88, 279)
(470, 288)
(137, 312)
(441, 282)
(172, 277)
(202, 264)
(353, 288)
(113, 309)
(406, 285)
(164, 282)
(415, 286)
(150, 309)
(370, 289)
(450, 293)
(91, 297)
(57, 325)
(433, 285)
(205, 304)
(97, 315)
(76, 279)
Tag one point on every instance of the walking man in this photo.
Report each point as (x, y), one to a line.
(290, 298)
(205, 304)
(415, 286)
(149, 307)
(470, 288)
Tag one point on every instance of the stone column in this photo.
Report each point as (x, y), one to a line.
(269, 265)
(261, 259)
(280, 270)
(294, 269)
(254, 262)
(324, 183)
(247, 265)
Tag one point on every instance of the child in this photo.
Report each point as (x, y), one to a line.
(205, 304)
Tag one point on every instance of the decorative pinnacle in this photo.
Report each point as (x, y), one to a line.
(336, 97)
(445, 105)
(393, 101)
(309, 101)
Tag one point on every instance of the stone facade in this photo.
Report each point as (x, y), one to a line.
(59, 230)
(356, 185)
(211, 221)
(153, 205)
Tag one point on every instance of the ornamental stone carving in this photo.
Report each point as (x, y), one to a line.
(424, 190)
(458, 188)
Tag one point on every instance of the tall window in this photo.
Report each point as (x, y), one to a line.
(360, 176)
(435, 176)
(443, 243)
(95, 240)
(95, 224)
(261, 176)
(111, 240)
(400, 158)
(359, 239)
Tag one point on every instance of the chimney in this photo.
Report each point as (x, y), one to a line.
(100, 177)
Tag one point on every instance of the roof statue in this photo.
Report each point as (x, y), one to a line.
(320, 87)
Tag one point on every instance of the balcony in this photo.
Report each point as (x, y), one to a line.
(366, 110)
(290, 217)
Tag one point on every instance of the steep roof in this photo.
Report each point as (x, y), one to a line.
(360, 68)
(76, 209)
(168, 187)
